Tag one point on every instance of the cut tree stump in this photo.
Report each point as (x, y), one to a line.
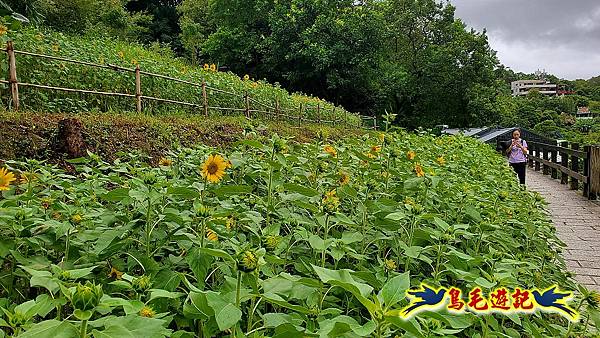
(69, 140)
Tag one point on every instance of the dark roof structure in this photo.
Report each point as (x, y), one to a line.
(495, 135)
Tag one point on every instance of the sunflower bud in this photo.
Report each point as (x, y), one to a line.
(279, 145)
(503, 195)
(150, 178)
(20, 216)
(64, 275)
(86, 297)
(147, 312)
(247, 261)
(76, 219)
(271, 242)
(593, 299)
(203, 211)
(390, 265)
(141, 284)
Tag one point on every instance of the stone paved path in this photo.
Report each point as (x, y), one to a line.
(577, 222)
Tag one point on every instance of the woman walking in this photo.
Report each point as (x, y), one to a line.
(517, 155)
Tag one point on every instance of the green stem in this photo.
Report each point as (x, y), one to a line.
(325, 239)
(437, 262)
(67, 244)
(83, 332)
(251, 317)
(238, 288)
(202, 232)
(270, 188)
(148, 226)
(571, 323)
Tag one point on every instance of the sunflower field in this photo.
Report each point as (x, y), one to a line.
(273, 238)
(226, 90)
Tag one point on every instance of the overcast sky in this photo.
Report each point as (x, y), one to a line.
(561, 36)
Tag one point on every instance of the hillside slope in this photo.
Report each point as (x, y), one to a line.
(109, 51)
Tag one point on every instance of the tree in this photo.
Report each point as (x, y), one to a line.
(450, 70)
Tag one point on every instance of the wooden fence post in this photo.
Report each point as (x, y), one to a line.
(12, 75)
(554, 160)
(564, 161)
(345, 117)
(574, 167)
(138, 89)
(529, 158)
(204, 98)
(334, 116)
(539, 153)
(594, 172)
(319, 113)
(586, 172)
(546, 168)
(247, 108)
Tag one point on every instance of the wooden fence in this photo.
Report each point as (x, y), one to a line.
(574, 165)
(252, 107)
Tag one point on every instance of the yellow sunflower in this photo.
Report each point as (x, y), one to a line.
(121, 54)
(6, 177)
(206, 66)
(165, 162)
(3, 29)
(246, 77)
(213, 68)
(213, 169)
(441, 160)
(147, 312)
(411, 155)
(230, 223)
(211, 235)
(344, 178)
(370, 155)
(114, 273)
(25, 177)
(419, 170)
(330, 150)
(331, 201)
(375, 149)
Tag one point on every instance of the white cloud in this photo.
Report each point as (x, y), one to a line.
(560, 36)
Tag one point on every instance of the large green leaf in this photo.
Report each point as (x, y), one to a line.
(344, 279)
(133, 326)
(51, 329)
(226, 314)
(395, 289)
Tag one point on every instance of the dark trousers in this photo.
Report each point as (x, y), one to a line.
(520, 170)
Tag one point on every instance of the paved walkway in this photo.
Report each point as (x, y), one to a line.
(577, 222)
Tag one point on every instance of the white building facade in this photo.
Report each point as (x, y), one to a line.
(522, 87)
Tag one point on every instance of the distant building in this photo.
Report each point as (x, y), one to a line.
(584, 113)
(522, 87)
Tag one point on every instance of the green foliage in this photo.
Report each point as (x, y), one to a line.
(282, 245)
(105, 50)
(553, 117)
(366, 55)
